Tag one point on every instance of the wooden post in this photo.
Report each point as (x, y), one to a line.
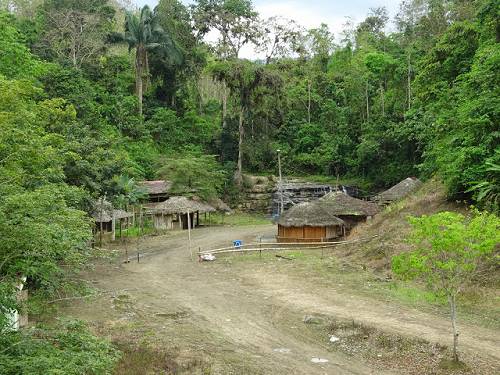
(120, 221)
(141, 222)
(126, 253)
(189, 233)
(113, 225)
(100, 225)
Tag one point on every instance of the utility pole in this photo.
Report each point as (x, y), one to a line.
(280, 182)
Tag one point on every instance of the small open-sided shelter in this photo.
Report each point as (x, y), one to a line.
(350, 210)
(157, 191)
(308, 222)
(398, 191)
(173, 213)
(102, 213)
(106, 217)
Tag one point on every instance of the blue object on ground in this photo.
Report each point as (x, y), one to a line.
(237, 243)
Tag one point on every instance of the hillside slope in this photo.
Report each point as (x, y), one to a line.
(391, 226)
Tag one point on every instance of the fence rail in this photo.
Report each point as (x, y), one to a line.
(273, 246)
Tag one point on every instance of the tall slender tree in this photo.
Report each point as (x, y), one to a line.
(144, 34)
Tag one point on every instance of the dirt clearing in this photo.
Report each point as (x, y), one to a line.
(241, 315)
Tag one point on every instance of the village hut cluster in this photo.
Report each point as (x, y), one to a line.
(165, 212)
(335, 214)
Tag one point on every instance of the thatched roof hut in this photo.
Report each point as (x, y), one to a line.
(398, 191)
(310, 214)
(121, 214)
(308, 222)
(157, 190)
(102, 211)
(216, 203)
(182, 205)
(340, 204)
(173, 213)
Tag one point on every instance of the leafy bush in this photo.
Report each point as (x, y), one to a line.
(66, 349)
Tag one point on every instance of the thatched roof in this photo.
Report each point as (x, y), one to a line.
(121, 214)
(216, 203)
(340, 204)
(102, 211)
(399, 191)
(155, 187)
(309, 214)
(181, 205)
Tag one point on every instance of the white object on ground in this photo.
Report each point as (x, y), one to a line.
(207, 257)
(334, 338)
(282, 350)
(319, 360)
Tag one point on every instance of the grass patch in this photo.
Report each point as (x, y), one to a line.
(142, 359)
(414, 295)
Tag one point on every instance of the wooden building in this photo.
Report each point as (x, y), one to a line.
(157, 191)
(173, 213)
(351, 210)
(309, 222)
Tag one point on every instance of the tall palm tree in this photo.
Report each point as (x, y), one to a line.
(144, 34)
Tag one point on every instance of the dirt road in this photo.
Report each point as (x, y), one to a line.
(244, 317)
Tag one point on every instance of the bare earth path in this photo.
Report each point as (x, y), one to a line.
(242, 318)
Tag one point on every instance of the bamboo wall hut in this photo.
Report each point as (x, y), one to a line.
(173, 213)
(398, 191)
(157, 191)
(350, 210)
(309, 222)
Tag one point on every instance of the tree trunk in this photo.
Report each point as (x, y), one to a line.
(409, 81)
(224, 115)
(309, 102)
(146, 79)
(138, 76)
(453, 310)
(367, 103)
(382, 99)
(238, 176)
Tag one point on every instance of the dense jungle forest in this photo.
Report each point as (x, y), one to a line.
(96, 95)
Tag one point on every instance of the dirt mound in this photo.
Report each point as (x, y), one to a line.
(391, 225)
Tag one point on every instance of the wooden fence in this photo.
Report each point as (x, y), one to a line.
(275, 246)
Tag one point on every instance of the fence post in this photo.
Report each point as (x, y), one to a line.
(260, 247)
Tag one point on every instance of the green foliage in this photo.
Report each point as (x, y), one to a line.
(67, 348)
(193, 174)
(464, 110)
(16, 61)
(448, 249)
(487, 193)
